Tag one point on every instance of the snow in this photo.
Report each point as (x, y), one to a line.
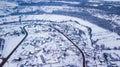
(11, 43)
(69, 2)
(45, 46)
(6, 7)
(53, 46)
(9, 19)
(4, 3)
(59, 18)
(114, 18)
(111, 0)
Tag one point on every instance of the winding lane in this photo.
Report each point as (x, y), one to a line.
(26, 34)
(6, 59)
(83, 56)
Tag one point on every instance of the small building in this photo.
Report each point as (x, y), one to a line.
(2, 42)
(42, 58)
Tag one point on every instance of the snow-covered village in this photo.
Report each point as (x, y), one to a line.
(59, 33)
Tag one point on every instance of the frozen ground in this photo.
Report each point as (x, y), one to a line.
(59, 34)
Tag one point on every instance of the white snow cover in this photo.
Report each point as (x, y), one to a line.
(111, 0)
(105, 37)
(7, 7)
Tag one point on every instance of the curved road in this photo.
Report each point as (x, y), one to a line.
(26, 34)
(4, 60)
(83, 56)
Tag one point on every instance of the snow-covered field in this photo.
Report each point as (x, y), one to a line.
(49, 36)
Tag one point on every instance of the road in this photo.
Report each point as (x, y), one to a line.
(4, 60)
(83, 56)
(26, 34)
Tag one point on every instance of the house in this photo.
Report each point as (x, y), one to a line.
(2, 42)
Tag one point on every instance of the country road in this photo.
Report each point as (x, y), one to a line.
(4, 60)
(83, 55)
